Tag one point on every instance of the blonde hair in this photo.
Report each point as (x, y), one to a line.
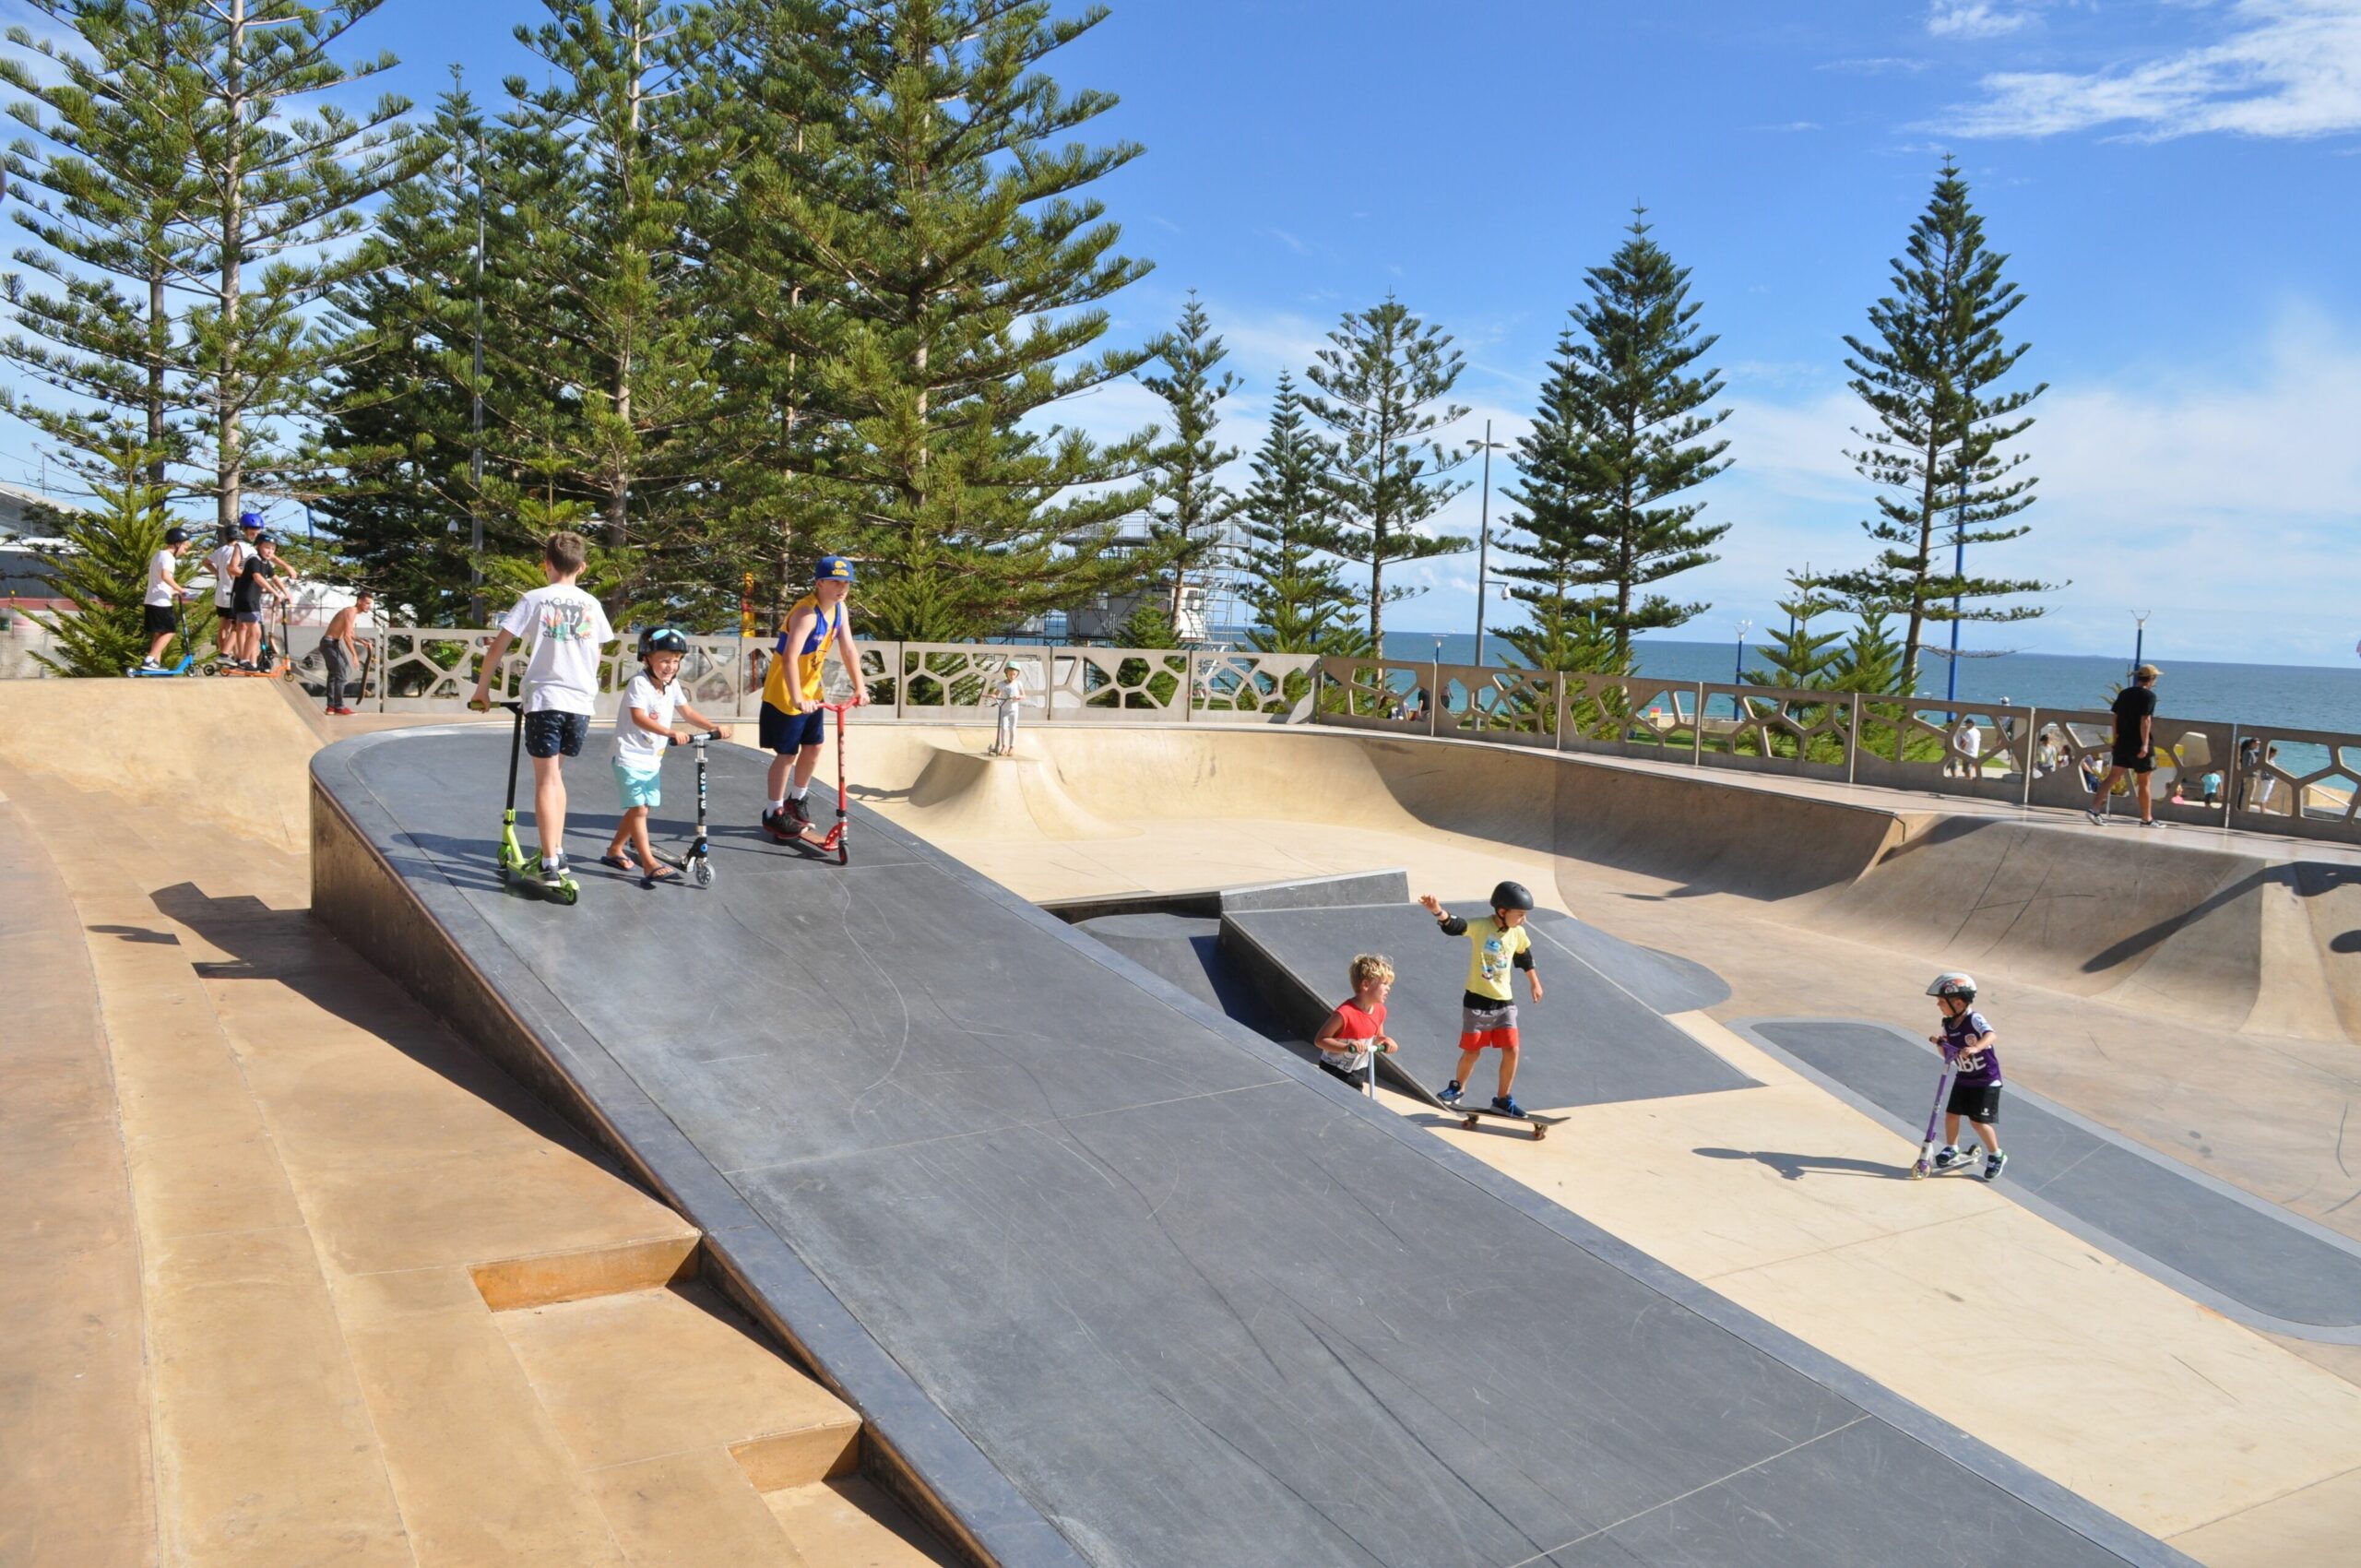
(1370, 966)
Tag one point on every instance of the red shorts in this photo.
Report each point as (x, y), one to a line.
(1488, 1029)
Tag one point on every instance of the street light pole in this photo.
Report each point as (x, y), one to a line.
(2140, 637)
(1484, 543)
(1738, 671)
(475, 422)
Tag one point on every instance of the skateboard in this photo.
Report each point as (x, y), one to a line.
(1470, 1114)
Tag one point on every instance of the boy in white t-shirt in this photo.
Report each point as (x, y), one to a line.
(228, 562)
(1007, 697)
(567, 628)
(643, 730)
(160, 610)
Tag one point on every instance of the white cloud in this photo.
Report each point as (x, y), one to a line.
(2286, 68)
(1975, 18)
(1884, 64)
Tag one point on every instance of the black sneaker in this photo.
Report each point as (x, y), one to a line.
(798, 812)
(1992, 1164)
(775, 824)
(554, 873)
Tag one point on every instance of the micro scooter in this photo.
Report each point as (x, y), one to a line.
(699, 860)
(518, 869)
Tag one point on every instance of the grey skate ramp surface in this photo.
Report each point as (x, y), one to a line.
(1119, 1281)
(1597, 1037)
(2248, 1258)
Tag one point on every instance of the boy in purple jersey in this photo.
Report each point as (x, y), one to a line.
(1968, 1042)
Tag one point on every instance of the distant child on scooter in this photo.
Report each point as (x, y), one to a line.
(567, 628)
(1008, 698)
(161, 614)
(1357, 1028)
(257, 577)
(644, 730)
(1497, 944)
(794, 719)
(1967, 1042)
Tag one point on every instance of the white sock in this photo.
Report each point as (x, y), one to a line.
(799, 792)
(779, 804)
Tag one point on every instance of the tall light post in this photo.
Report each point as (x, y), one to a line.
(1483, 539)
(475, 421)
(1738, 672)
(2140, 636)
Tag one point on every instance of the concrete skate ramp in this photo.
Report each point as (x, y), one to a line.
(2231, 939)
(1591, 1040)
(2249, 1259)
(1118, 1281)
(228, 754)
(1184, 951)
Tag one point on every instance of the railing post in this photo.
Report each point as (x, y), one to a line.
(1434, 695)
(1852, 740)
(1188, 692)
(1697, 727)
(1557, 706)
(2033, 751)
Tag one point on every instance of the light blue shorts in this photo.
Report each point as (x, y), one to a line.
(637, 789)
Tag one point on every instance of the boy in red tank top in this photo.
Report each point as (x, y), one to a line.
(1356, 1030)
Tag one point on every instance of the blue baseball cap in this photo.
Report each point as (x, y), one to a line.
(250, 519)
(832, 568)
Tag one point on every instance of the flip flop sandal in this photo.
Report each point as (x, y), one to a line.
(617, 862)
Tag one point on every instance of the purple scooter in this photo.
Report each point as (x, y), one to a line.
(1943, 1098)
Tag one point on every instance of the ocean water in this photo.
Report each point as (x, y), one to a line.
(2296, 695)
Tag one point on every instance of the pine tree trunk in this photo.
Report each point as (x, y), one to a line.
(157, 328)
(1926, 564)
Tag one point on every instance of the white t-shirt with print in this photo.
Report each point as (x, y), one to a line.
(636, 748)
(226, 562)
(163, 572)
(566, 628)
(1009, 694)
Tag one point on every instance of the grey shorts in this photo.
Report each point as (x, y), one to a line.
(1483, 1027)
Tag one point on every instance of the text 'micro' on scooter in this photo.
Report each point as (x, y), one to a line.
(516, 868)
(699, 860)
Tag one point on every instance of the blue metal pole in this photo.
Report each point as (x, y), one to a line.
(1959, 569)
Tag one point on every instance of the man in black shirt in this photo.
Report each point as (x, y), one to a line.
(2135, 746)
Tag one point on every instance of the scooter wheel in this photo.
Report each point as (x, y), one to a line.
(701, 871)
(566, 893)
(508, 874)
(844, 853)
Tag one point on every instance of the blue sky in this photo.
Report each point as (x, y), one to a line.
(2178, 181)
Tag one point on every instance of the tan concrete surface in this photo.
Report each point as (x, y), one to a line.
(311, 1177)
(72, 1354)
(835, 1522)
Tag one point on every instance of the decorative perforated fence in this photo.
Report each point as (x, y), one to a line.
(2303, 782)
(1770, 730)
(1945, 748)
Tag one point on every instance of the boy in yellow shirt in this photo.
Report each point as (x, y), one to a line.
(1498, 944)
(793, 721)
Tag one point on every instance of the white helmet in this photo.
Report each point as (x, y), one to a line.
(1953, 982)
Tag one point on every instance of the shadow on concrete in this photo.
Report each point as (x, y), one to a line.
(1796, 1166)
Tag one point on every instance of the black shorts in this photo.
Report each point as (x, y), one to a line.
(1345, 1075)
(787, 734)
(552, 734)
(1977, 1103)
(158, 619)
(2128, 755)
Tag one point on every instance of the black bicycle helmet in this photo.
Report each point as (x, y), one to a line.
(1512, 895)
(663, 639)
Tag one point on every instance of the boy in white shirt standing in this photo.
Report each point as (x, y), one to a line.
(643, 730)
(161, 614)
(568, 627)
(1008, 697)
(228, 563)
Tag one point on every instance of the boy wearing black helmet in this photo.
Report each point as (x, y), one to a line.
(644, 728)
(1497, 944)
(1967, 1043)
(161, 614)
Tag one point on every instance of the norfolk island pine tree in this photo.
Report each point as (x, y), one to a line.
(1295, 591)
(1189, 514)
(1377, 383)
(1935, 450)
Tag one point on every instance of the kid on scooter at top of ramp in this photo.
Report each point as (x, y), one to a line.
(794, 720)
(1497, 944)
(568, 627)
(643, 730)
(1969, 1043)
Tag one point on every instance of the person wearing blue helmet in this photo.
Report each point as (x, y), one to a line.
(644, 730)
(793, 721)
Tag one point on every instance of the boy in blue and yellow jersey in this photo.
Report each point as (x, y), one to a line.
(1498, 946)
(793, 723)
